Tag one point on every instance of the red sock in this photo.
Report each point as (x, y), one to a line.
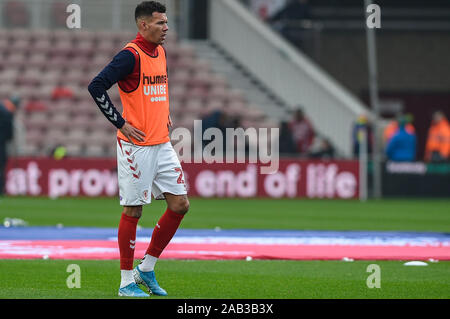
(163, 232)
(127, 241)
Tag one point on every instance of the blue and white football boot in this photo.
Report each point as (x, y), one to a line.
(132, 290)
(148, 280)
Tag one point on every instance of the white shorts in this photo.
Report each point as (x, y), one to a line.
(144, 171)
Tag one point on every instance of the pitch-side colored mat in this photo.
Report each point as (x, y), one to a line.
(101, 243)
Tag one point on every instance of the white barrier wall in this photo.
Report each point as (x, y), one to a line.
(289, 73)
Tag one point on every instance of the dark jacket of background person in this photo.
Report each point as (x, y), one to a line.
(6, 134)
(287, 144)
(6, 124)
(402, 146)
(218, 120)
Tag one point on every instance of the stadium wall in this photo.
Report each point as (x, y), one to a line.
(98, 177)
(413, 61)
(291, 75)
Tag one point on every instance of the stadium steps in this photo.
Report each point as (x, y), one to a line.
(240, 79)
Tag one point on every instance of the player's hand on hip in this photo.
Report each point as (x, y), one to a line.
(131, 132)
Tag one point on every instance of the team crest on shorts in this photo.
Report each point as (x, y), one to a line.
(145, 194)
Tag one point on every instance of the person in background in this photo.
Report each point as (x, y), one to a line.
(62, 92)
(216, 119)
(402, 146)
(8, 108)
(362, 123)
(437, 148)
(393, 127)
(35, 105)
(287, 144)
(324, 151)
(302, 131)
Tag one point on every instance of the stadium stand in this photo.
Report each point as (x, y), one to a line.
(51, 70)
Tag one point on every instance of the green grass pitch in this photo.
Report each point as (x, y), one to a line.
(185, 279)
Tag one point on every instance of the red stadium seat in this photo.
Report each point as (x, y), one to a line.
(5, 89)
(41, 46)
(218, 93)
(58, 62)
(204, 79)
(83, 63)
(35, 137)
(218, 81)
(235, 96)
(9, 75)
(38, 61)
(30, 77)
(177, 92)
(37, 121)
(186, 122)
(203, 66)
(40, 35)
(94, 150)
(101, 138)
(74, 76)
(62, 48)
(35, 104)
(72, 59)
(4, 44)
(194, 106)
(254, 113)
(185, 62)
(5, 34)
(76, 136)
(87, 108)
(198, 93)
(215, 104)
(17, 60)
(58, 35)
(104, 36)
(84, 48)
(74, 150)
(186, 50)
(26, 92)
(105, 47)
(31, 150)
(83, 36)
(61, 119)
(55, 134)
(180, 77)
(51, 77)
(83, 122)
(44, 91)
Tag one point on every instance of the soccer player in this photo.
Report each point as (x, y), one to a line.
(147, 163)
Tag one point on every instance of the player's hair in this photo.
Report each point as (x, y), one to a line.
(146, 8)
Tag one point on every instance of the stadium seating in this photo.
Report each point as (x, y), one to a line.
(51, 70)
